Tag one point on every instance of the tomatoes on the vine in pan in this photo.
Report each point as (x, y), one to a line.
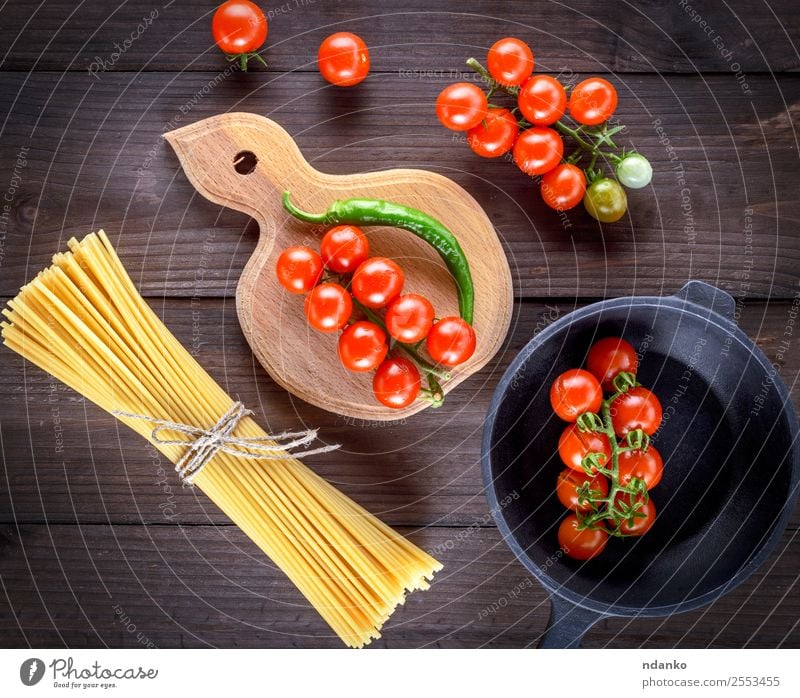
(645, 465)
(461, 106)
(239, 28)
(495, 135)
(538, 150)
(451, 341)
(343, 59)
(580, 544)
(643, 519)
(592, 101)
(638, 408)
(574, 392)
(343, 248)
(299, 269)
(377, 281)
(510, 61)
(409, 318)
(362, 346)
(396, 383)
(609, 357)
(542, 100)
(328, 307)
(563, 187)
(568, 483)
(574, 445)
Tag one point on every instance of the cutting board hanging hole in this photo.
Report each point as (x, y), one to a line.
(244, 162)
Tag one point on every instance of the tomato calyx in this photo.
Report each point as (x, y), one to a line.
(243, 59)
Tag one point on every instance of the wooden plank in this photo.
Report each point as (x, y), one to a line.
(199, 586)
(65, 461)
(420, 34)
(724, 208)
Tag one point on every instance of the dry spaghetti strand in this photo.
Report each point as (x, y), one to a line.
(83, 321)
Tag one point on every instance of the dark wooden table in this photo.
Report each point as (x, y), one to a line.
(99, 547)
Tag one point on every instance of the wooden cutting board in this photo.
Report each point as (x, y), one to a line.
(246, 162)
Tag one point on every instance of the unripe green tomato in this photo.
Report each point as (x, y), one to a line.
(605, 200)
(634, 171)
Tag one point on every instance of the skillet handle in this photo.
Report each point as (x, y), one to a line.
(710, 297)
(567, 625)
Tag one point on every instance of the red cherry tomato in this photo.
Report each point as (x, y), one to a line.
(328, 307)
(343, 248)
(636, 409)
(343, 59)
(299, 269)
(409, 318)
(495, 135)
(646, 465)
(510, 61)
(567, 488)
(563, 187)
(396, 383)
(580, 545)
(239, 27)
(643, 521)
(592, 101)
(542, 100)
(362, 346)
(461, 106)
(538, 150)
(574, 445)
(574, 392)
(451, 341)
(609, 357)
(377, 281)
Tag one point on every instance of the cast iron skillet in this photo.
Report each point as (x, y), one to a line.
(731, 461)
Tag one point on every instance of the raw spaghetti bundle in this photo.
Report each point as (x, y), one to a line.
(83, 321)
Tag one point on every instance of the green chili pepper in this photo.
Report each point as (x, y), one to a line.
(377, 212)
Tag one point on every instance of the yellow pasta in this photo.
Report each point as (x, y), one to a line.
(83, 321)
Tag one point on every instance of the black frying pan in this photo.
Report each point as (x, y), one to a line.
(729, 443)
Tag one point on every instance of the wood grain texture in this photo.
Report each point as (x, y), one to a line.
(724, 211)
(581, 35)
(301, 360)
(201, 586)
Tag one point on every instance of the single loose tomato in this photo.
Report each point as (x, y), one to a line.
(581, 544)
(377, 281)
(409, 318)
(644, 518)
(343, 59)
(298, 269)
(343, 248)
(538, 150)
(567, 488)
(574, 445)
(328, 307)
(495, 135)
(239, 28)
(461, 106)
(638, 408)
(396, 383)
(646, 465)
(609, 357)
(542, 100)
(510, 61)
(574, 392)
(563, 187)
(362, 346)
(451, 341)
(592, 101)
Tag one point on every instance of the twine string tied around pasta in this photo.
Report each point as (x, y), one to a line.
(203, 443)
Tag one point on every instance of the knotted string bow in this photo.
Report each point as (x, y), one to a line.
(203, 444)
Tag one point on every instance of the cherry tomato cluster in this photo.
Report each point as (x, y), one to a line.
(532, 130)
(611, 465)
(240, 29)
(341, 278)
